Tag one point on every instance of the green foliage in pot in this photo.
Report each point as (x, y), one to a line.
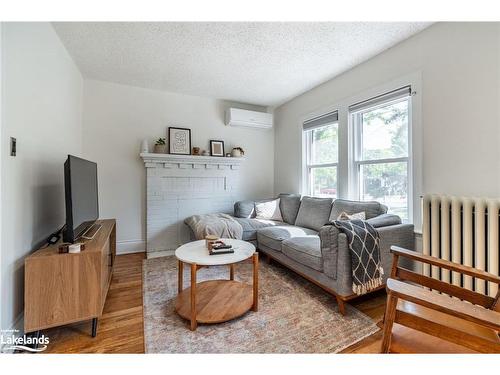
(160, 142)
(240, 150)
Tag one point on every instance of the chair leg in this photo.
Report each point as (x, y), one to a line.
(341, 304)
(390, 315)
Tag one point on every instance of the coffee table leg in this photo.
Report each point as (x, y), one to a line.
(255, 259)
(231, 272)
(193, 297)
(180, 278)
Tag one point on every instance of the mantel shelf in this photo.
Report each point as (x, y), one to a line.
(152, 160)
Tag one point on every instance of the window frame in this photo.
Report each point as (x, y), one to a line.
(345, 169)
(308, 166)
(356, 122)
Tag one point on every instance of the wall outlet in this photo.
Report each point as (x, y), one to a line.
(13, 146)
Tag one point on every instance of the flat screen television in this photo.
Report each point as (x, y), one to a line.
(82, 206)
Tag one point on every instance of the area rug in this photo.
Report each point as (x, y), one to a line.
(294, 315)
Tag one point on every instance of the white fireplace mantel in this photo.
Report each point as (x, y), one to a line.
(190, 161)
(178, 186)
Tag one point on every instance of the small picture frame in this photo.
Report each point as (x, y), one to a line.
(216, 148)
(179, 141)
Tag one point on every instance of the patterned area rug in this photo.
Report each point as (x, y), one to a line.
(294, 315)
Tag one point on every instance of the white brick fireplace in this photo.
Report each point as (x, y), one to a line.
(178, 186)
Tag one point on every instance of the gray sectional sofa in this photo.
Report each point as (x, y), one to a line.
(306, 244)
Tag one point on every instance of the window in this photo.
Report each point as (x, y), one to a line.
(372, 158)
(381, 150)
(321, 145)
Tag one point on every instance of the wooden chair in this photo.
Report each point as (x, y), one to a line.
(422, 316)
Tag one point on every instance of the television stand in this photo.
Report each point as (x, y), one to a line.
(67, 288)
(90, 233)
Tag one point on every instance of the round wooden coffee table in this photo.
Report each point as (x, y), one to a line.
(215, 301)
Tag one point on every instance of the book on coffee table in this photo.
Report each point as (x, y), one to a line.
(221, 248)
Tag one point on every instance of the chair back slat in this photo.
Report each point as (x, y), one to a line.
(446, 264)
(450, 289)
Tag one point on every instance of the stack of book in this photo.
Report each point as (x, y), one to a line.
(219, 247)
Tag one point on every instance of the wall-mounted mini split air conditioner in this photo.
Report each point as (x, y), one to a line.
(250, 119)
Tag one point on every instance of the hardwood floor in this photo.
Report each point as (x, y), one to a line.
(120, 329)
(372, 305)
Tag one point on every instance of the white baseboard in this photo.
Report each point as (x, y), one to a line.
(130, 246)
(162, 253)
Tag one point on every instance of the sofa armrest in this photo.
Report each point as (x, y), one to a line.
(384, 220)
(244, 209)
(333, 243)
(401, 235)
(337, 258)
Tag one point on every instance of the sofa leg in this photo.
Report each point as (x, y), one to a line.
(341, 304)
(268, 259)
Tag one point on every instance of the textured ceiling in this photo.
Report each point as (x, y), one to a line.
(257, 63)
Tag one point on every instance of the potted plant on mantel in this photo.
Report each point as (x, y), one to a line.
(237, 152)
(160, 146)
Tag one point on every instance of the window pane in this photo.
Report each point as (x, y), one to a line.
(324, 144)
(385, 132)
(386, 183)
(324, 182)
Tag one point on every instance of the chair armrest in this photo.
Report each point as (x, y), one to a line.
(466, 270)
(444, 304)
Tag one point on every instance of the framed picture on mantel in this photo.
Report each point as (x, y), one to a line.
(216, 148)
(179, 141)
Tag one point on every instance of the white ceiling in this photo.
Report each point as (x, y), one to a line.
(257, 63)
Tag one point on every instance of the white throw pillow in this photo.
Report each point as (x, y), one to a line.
(269, 210)
(358, 215)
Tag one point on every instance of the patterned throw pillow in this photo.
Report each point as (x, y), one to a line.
(358, 215)
(269, 210)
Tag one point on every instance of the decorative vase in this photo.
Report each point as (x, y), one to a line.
(144, 146)
(160, 149)
(236, 153)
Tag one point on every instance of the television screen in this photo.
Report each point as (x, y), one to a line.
(82, 206)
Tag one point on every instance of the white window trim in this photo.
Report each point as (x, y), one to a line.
(356, 161)
(345, 175)
(309, 167)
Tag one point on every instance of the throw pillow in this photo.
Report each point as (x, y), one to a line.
(313, 212)
(269, 210)
(358, 215)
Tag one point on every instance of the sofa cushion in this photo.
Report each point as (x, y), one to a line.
(371, 209)
(244, 209)
(273, 236)
(314, 212)
(268, 210)
(289, 205)
(250, 226)
(305, 250)
(384, 220)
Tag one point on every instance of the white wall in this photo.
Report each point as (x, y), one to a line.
(460, 69)
(115, 120)
(41, 107)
